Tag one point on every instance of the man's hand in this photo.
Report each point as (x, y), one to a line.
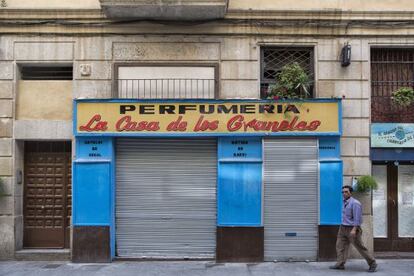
(353, 232)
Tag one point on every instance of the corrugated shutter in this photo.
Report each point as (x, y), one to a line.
(166, 198)
(290, 199)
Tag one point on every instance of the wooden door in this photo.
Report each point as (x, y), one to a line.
(398, 234)
(47, 194)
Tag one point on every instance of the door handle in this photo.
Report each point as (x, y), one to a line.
(393, 201)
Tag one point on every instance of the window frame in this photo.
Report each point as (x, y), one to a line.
(116, 66)
(394, 114)
(312, 73)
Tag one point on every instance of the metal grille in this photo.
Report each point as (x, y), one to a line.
(274, 58)
(290, 199)
(46, 72)
(166, 88)
(166, 198)
(391, 69)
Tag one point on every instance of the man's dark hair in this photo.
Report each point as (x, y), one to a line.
(348, 187)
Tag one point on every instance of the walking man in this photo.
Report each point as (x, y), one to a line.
(350, 232)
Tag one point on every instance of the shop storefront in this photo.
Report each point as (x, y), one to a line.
(231, 180)
(393, 202)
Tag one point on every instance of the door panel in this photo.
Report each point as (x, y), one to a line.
(400, 208)
(290, 199)
(405, 201)
(379, 202)
(68, 198)
(45, 197)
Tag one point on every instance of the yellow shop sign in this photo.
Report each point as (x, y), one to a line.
(207, 117)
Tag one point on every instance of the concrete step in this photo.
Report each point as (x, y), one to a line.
(43, 255)
(394, 255)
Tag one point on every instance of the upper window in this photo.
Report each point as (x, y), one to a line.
(391, 69)
(273, 59)
(46, 72)
(166, 82)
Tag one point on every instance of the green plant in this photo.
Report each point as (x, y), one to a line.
(366, 183)
(291, 83)
(403, 96)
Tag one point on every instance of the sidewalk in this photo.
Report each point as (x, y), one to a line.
(201, 268)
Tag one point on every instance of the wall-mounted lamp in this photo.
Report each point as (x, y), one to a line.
(396, 163)
(346, 55)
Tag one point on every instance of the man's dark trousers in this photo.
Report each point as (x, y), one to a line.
(344, 239)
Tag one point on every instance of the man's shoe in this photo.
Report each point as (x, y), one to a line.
(339, 267)
(373, 267)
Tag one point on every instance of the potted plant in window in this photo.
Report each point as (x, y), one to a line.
(403, 96)
(292, 82)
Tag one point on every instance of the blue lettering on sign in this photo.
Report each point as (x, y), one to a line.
(392, 135)
(93, 147)
(94, 150)
(240, 148)
(93, 142)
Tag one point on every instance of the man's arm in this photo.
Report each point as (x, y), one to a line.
(357, 214)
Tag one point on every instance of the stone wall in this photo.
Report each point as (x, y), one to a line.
(353, 85)
(6, 156)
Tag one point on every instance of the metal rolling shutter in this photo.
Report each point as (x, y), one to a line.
(290, 199)
(166, 198)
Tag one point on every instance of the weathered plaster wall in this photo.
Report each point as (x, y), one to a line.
(44, 100)
(358, 5)
(53, 4)
(338, 5)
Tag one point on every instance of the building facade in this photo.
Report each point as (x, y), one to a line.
(83, 171)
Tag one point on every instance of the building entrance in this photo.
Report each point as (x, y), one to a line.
(47, 195)
(393, 207)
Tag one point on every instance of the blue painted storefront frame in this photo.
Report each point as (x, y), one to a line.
(84, 210)
(330, 180)
(330, 170)
(239, 182)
